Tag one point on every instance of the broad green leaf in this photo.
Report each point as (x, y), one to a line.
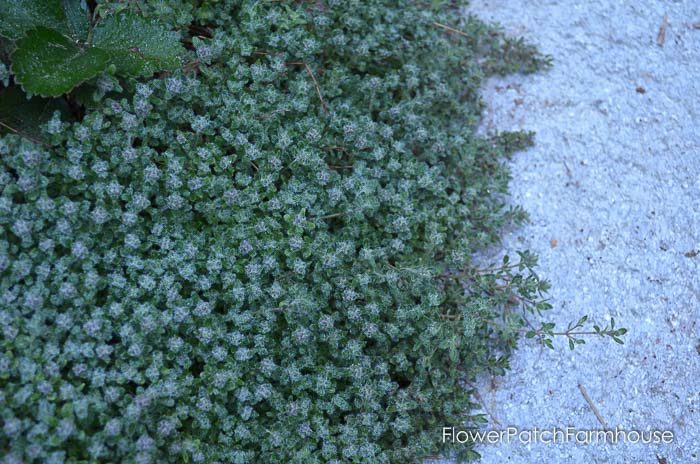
(137, 47)
(22, 116)
(50, 64)
(69, 17)
(18, 16)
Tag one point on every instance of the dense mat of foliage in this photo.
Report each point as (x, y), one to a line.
(265, 256)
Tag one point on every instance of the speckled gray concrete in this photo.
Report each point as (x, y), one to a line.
(614, 178)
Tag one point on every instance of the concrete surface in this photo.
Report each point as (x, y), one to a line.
(613, 190)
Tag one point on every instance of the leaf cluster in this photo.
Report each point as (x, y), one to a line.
(60, 44)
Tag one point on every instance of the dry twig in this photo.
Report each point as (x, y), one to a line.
(661, 37)
(451, 29)
(593, 407)
(313, 78)
(481, 401)
(12, 129)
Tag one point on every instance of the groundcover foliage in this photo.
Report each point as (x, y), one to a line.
(264, 256)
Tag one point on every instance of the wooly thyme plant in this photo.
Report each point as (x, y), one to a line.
(265, 256)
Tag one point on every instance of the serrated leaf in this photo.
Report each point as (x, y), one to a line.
(19, 16)
(77, 18)
(69, 17)
(48, 63)
(137, 47)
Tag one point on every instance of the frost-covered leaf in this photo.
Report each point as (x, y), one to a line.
(66, 16)
(18, 16)
(77, 18)
(138, 47)
(48, 63)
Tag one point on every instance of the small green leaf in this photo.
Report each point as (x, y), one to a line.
(66, 410)
(48, 63)
(454, 354)
(471, 455)
(544, 306)
(571, 344)
(136, 46)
